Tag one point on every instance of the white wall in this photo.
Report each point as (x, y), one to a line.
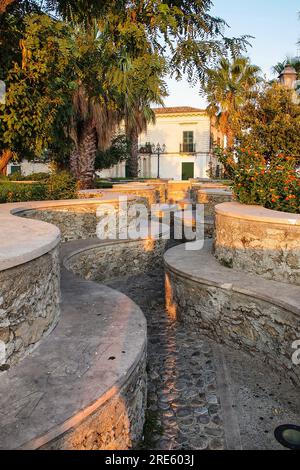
(168, 130)
(171, 166)
(117, 171)
(27, 168)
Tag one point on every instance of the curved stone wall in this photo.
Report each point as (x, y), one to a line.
(84, 386)
(108, 260)
(258, 240)
(29, 304)
(29, 284)
(211, 198)
(143, 192)
(76, 219)
(178, 190)
(241, 310)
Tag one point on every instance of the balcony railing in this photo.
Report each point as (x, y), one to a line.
(188, 148)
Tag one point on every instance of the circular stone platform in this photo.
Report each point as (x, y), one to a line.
(259, 240)
(239, 309)
(84, 387)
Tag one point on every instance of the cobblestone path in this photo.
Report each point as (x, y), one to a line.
(183, 407)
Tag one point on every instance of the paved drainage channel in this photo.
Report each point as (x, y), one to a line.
(201, 395)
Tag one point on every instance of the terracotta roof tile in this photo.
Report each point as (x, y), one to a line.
(178, 110)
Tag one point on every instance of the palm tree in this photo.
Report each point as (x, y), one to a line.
(137, 119)
(293, 61)
(92, 127)
(143, 88)
(228, 87)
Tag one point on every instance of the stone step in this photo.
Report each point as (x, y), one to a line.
(84, 380)
(242, 310)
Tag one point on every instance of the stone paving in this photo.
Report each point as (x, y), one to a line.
(183, 406)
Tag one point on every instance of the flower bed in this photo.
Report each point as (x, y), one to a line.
(272, 183)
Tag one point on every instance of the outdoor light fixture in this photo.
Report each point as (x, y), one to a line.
(288, 435)
(158, 150)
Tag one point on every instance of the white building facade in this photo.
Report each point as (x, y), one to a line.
(186, 134)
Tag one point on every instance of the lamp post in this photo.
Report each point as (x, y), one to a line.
(158, 150)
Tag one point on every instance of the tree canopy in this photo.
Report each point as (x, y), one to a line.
(73, 68)
(229, 85)
(270, 124)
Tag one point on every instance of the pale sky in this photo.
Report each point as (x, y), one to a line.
(275, 26)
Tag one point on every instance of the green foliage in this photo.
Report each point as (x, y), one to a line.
(270, 124)
(116, 153)
(33, 177)
(39, 87)
(273, 184)
(227, 89)
(117, 51)
(61, 186)
(101, 184)
(14, 192)
(57, 186)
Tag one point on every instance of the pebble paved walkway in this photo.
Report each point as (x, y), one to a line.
(183, 407)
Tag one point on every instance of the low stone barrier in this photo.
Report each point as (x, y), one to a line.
(83, 386)
(161, 187)
(76, 219)
(200, 186)
(211, 198)
(29, 284)
(107, 260)
(258, 240)
(143, 192)
(178, 190)
(242, 310)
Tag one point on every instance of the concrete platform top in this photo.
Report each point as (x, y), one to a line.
(117, 188)
(99, 340)
(216, 191)
(201, 266)
(257, 213)
(24, 240)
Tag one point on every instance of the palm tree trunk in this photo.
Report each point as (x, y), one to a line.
(74, 163)
(4, 160)
(133, 161)
(86, 158)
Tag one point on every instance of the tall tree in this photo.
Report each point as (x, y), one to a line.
(183, 33)
(40, 85)
(228, 87)
(294, 61)
(270, 124)
(143, 86)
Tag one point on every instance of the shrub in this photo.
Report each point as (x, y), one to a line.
(58, 186)
(61, 186)
(12, 192)
(272, 183)
(99, 184)
(33, 177)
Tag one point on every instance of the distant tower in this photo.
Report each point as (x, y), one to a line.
(288, 77)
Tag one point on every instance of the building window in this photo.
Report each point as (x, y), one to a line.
(188, 145)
